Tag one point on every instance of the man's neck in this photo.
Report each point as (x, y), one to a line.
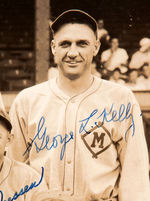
(114, 49)
(76, 86)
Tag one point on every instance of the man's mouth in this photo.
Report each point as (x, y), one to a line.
(73, 63)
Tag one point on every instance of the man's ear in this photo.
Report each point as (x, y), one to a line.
(97, 47)
(53, 46)
(10, 138)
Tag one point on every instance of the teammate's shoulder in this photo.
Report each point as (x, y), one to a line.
(122, 49)
(137, 53)
(106, 51)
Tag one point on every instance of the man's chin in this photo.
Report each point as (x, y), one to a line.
(72, 76)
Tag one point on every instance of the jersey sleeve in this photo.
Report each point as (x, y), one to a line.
(133, 156)
(18, 119)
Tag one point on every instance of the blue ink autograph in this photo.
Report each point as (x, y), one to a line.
(112, 115)
(44, 140)
(25, 189)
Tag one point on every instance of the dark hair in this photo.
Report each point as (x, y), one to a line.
(117, 69)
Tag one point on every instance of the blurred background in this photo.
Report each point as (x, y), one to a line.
(123, 29)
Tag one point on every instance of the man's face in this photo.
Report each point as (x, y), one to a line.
(3, 139)
(133, 76)
(100, 24)
(74, 46)
(114, 43)
(146, 71)
(116, 75)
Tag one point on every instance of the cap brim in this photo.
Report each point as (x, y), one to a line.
(7, 122)
(74, 15)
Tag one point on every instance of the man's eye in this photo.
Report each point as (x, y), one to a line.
(65, 45)
(82, 44)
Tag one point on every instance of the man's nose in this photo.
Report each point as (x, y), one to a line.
(73, 52)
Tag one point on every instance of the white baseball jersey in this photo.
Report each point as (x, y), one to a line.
(138, 59)
(14, 176)
(105, 154)
(116, 58)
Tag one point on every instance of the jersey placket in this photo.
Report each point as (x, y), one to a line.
(71, 111)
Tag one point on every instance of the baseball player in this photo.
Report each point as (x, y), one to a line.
(86, 132)
(17, 180)
(114, 57)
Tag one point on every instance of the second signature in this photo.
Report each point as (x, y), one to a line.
(124, 113)
(24, 190)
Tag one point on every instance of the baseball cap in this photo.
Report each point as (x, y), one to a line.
(5, 118)
(145, 44)
(72, 16)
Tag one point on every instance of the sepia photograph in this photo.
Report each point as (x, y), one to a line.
(74, 100)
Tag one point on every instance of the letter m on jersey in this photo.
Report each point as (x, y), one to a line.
(97, 141)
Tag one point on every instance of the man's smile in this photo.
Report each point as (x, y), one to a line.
(73, 63)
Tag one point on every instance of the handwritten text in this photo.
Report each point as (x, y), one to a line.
(112, 115)
(44, 140)
(23, 190)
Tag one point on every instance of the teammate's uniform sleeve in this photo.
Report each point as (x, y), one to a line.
(133, 156)
(18, 119)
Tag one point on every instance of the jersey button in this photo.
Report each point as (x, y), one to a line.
(69, 161)
(73, 101)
